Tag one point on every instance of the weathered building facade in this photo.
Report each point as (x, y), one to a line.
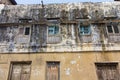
(60, 41)
(116, 0)
(8, 2)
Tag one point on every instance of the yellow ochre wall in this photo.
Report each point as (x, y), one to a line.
(73, 66)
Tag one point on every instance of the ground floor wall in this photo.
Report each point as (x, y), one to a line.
(72, 66)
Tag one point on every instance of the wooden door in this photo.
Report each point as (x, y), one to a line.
(16, 72)
(20, 71)
(25, 73)
(107, 72)
(52, 71)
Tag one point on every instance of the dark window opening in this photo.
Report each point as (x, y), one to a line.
(113, 28)
(107, 71)
(116, 30)
(110, 30)
(25, 20)
(27, 31)
(53, 71)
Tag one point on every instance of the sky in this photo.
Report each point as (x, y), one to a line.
(56, 1)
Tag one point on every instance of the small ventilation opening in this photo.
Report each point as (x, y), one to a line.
(27, 31)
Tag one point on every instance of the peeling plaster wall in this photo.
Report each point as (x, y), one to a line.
(72, 65)
(69, 10)
(13, 38)
(77, 57)
(38, 38)
(8, 2)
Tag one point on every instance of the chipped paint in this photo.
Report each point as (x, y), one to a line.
(67, 71)
(73, 62)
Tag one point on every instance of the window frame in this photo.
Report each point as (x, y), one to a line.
(26, 31)
(83, 30)
(55, 32)
(113, 29)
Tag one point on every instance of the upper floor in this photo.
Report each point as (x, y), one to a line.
(8, 2)
(60, 27)
(116, 0)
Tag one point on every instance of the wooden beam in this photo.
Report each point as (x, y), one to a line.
(29, 23)
(61, 22)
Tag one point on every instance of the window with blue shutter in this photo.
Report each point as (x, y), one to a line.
(52, 30)
(84, 30)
